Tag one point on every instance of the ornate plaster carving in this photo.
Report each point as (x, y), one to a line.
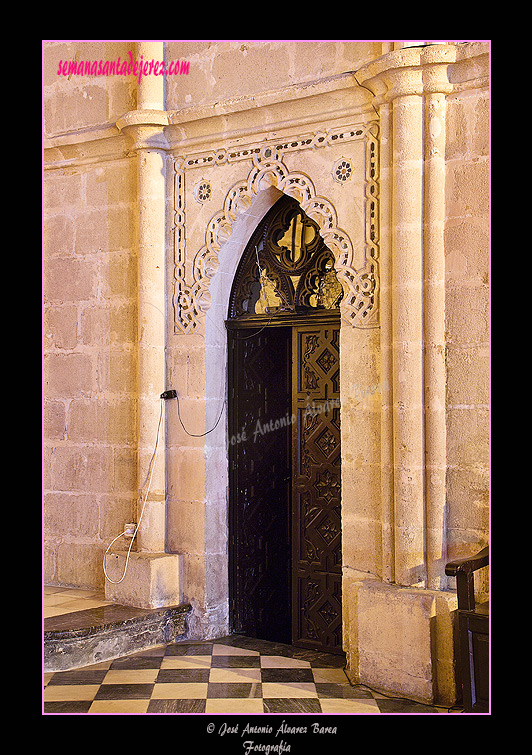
(191, 297)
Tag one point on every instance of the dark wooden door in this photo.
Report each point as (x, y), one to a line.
(259, 477)
(284, 449)
(316, 489)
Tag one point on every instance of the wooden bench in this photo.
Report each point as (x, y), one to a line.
(473, 623)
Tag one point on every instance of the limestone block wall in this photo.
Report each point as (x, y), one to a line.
(467, 244)
(89, 366)
(89, 321)
(71, 103)
(237, 70)
(434, 117)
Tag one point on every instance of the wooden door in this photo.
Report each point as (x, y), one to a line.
(259, 483)
(316, 489)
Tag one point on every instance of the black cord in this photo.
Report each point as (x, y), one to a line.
(199, 435)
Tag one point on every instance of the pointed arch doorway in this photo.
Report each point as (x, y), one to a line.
(283, 325)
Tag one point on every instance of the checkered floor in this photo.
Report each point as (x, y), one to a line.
(233, 675)
(58, 601)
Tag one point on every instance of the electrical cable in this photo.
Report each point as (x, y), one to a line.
(256, 333)
(199, 435)
(148, 482)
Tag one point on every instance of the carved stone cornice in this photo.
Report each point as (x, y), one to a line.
(416, 70)
(145, 129)
(297, 107)
(94, 146)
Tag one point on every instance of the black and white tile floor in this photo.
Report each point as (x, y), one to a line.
(230, 675)
(234, 675)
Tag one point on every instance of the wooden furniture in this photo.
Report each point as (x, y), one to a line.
(473, 621)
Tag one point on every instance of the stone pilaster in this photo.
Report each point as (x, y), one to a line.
(410, 87)
(145, 128)
(436, 86)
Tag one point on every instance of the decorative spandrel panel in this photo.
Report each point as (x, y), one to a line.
(214, 187)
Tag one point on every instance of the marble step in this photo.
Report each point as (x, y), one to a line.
(82, 638)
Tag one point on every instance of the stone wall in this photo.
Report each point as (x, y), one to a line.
(467, 316)
(231, 70)
(89, 364)
(434, 334)
(89, 319)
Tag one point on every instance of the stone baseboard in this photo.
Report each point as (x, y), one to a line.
(400, 641)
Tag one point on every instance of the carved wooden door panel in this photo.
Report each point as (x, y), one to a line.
(259, 469)
(316, 489)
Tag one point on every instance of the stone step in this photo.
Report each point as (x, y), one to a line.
(82, 638)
